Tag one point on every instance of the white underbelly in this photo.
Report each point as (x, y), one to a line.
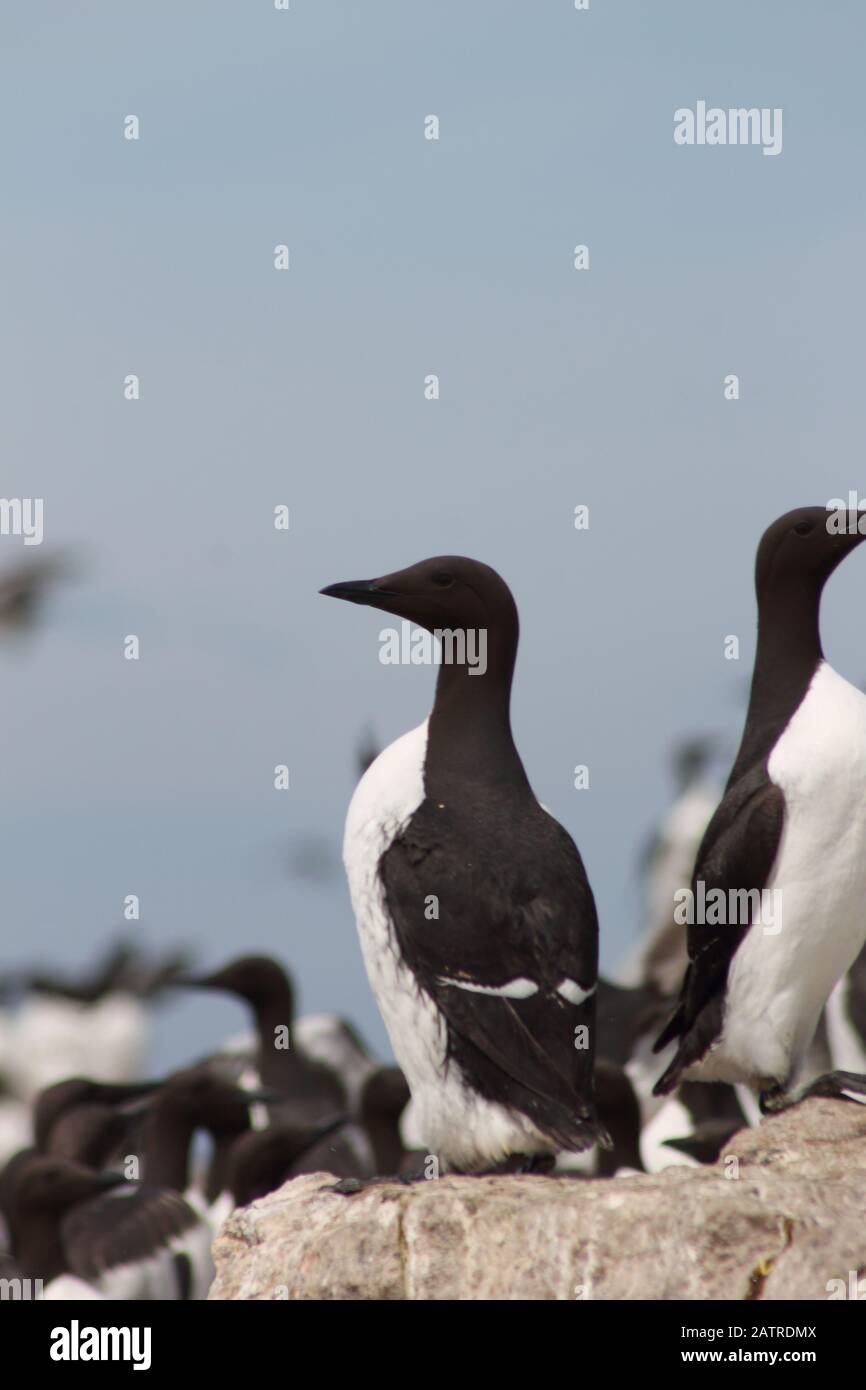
(785, 970)
(157, 1278)
(847, 1048)
(453, 1122)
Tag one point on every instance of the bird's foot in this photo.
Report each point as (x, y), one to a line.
(774, 1100)
(834, 1085)
(523, 1163)
(537, 1163)
(837, 1084)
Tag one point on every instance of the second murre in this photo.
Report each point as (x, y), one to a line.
(476, 918)
(77, 1343)
(792, 820)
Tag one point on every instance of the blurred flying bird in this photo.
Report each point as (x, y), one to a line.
(25, 588)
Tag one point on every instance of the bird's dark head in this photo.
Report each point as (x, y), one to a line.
(385, 1093)
(446, 592)
(64, 1096)
(803, 548)
(259, 980)
(86, 1131)
(472, 615)
(48, 1183)
(260, 1159)
(206, 1100)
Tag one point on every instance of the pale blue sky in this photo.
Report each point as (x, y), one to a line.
(408, 257)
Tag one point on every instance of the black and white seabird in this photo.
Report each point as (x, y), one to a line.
(132, 1241)
(146, 1239)
(312, 1090)
(476, 918)
(262, 1160)
(336, 1043)
(37, 1193)
(792, 821)
(383, 1099)
(76, 1093)
(367, 1143)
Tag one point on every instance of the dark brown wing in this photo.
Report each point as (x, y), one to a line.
(738, 852)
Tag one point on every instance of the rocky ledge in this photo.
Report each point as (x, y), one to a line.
(780, 1216)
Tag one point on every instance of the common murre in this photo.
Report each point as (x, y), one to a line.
(792, 821)
(262, 1160)
(627, 1021)
(145, 1239)
(74, 1093)
(189, 1100)
(312, 1091)
(383, 1100)
(476, 918)
(37, 1193)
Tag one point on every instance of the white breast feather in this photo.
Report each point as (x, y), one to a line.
(778, 983)
(452, 1120)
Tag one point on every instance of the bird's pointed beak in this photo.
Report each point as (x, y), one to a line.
(368, 591)
(109, 1179)
(195, 982)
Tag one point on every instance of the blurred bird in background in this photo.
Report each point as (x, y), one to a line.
(26, 587)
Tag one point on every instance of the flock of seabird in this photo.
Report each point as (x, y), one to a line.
(104, 1191)
(479, 934)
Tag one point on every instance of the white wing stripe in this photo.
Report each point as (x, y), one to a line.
(570, 990)
(515, 989)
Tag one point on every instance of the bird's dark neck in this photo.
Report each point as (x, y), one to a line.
(384, 1135)
(787, 657)
(217, 1177)
(273, 1025)
(258, 1181)
(469, 739)
(167, 1139)
(39, 1247)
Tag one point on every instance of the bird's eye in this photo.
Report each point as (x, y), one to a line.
(804, 527)
(442, 580)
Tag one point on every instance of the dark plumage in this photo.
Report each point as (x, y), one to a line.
(743, 847)
(506, 971)
(311, 1092)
